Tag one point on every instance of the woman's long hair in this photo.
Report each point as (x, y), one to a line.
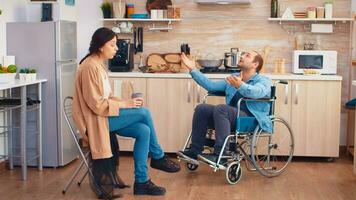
(98, 40)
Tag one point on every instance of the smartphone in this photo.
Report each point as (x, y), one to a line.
(184, 48)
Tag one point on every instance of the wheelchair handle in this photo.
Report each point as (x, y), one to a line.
(273, 92)
(281, 82)
(273, 87)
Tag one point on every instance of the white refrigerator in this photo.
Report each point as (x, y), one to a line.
(51, 49)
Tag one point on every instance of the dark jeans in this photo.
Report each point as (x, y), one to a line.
(221, 117)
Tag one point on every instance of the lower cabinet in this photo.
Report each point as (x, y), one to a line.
(312, 108)
(315, 114)
(171, 102)
(124, 87)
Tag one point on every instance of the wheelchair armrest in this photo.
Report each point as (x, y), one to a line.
(260, 99)
(249, 99)
(219, 94)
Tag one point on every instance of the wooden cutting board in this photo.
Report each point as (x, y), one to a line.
(164, 63)
(157, 4)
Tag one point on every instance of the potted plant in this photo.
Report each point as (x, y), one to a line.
(106, 8)
(27, 74)
(33, 74)
(22, 75)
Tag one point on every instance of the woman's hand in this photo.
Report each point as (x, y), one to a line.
(133, 103)
(189, 63)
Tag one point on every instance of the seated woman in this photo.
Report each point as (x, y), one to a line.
(97, 114)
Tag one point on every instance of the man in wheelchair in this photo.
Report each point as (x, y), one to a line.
(246, 84)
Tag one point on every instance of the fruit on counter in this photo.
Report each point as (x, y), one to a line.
(4, 69)
(12, 68)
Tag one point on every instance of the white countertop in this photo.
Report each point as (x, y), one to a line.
(221, 76)
(18, 83)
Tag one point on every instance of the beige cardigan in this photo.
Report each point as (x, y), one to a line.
(91, 109)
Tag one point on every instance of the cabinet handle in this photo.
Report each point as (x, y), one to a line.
(132, 86)
(296, 93)
(286, 94)
(189, 85)
(198, 93)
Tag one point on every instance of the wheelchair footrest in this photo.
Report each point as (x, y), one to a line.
(211, 159)
(187, 159)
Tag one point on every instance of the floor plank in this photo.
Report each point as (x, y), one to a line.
(305, 178)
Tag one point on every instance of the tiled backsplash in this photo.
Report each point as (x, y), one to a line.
(216, 28)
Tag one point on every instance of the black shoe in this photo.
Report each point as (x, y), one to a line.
(148, 188)
(189, 156)
(165, 164)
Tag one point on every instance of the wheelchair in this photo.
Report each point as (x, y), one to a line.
(267, 153)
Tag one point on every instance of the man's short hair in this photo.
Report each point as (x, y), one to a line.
(258, 58)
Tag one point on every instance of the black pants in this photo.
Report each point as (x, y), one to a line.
(221, 117)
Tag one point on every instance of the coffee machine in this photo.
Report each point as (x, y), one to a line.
(123, 61)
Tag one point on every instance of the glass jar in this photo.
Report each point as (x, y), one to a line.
(311, 12)
(328, 10)
(173, 12)
(299, 42)
(320, 12)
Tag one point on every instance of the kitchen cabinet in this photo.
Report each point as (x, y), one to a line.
(311, 107)
(171, 102)
(282, 110)
(315, 114)
(124, 87)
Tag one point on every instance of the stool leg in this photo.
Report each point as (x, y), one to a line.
(72, 177)
(84, 175)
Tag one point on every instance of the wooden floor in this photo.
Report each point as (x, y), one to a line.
(304, 179)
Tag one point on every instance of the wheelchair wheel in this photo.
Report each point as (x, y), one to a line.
(271, 153)
(191, 167)
(233, 173)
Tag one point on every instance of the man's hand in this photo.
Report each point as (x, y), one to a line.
(133, 103)
(235, 80)
(188, 63)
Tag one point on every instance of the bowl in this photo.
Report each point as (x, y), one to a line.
(206, 63)
(7, 77)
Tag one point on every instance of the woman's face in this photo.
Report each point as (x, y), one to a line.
(109, 49)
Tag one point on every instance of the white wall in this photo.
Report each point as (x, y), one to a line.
(353, 5)
(68, 12)
(89, 15)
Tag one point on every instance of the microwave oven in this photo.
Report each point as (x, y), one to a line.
(324, 62)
